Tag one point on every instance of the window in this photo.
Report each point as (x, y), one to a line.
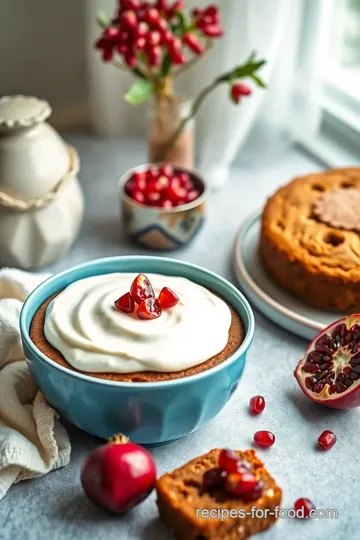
(338, 141)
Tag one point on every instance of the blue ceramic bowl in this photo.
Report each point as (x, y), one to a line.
(149, 413)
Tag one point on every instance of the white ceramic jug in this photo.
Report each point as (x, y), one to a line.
(41, 202)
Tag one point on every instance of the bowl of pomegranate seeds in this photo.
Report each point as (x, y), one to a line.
(163, 206)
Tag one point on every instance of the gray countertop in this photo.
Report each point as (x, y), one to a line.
(54, 507)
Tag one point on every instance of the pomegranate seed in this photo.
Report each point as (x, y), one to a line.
(138, 196)
(192, 195)
(168, 298)
(162, 183)
(238, 484)
(184, 180)
(239, 90)
(154, 38)
(123, 48)
(212, 30)
(166, 204)
(152, 197)
(152, 16)
(264, 439)
(228, 460)
(192, 42)
(107, 55)
(149, 309)
(255, 493)
(129, 19)
(130, 59)
(142, 29)
(327, 440)
(141, 289)
(166, 170)
(140, 43)
(152, 174)
(213, 478)
(177, 57)
(303, 508)
(112, 32)
(154, 56)
(176, 193)
(257, 404)
(125, 303)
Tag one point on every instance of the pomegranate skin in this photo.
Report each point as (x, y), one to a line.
(118, 477)
(346, 400)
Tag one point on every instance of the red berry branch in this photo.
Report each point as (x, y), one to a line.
(158, 40)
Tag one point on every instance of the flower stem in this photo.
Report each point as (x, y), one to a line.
(194, 109)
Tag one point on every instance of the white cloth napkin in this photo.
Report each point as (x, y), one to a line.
(32, 440)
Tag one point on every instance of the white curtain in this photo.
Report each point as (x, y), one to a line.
(288, 33)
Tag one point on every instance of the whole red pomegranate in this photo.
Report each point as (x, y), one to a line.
(118, 475)
(329, 373)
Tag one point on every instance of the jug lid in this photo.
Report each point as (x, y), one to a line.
(22, 111)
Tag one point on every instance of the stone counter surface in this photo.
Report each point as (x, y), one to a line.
(54, 507)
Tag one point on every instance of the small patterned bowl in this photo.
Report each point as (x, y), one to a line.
(162, 228)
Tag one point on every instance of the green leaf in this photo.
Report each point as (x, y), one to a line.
(258, 81)
(102, 19)
(166, 65)
(244, 70)
(180, 26)
(139, 92)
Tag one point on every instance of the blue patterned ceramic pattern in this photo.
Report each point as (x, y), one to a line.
(159, 228)
(149, 413)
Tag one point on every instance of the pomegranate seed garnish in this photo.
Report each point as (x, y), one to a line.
(149, 309)
(303, 508)
(213, 478)
(257, 404)
(228, 460)
(327, 440)
(238, 484)
(264, 439)
(125, 303)
(168, 298)
(255, 493)
(141, 289)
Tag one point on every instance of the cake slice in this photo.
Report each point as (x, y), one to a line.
(193, 513)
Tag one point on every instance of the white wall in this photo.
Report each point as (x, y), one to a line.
(42, 50)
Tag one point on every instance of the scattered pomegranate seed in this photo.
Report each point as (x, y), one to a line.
(213, 478)
(264, 439)
(238, 484)
(303, 508)
(141, 289)
(327, 440)
(125, 303)
(257, 404)
(168, 298)
(149, 309)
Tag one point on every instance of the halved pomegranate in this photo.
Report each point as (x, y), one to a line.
(329, 373)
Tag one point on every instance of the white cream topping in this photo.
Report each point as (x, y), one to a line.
(83, 324)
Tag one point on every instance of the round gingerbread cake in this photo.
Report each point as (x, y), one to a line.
(81, 329)
(310, 239)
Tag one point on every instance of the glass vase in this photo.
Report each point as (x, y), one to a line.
(165, 143)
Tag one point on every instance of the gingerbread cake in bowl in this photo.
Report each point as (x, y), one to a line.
(310, 239)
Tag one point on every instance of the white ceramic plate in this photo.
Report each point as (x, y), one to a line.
(268, 297)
